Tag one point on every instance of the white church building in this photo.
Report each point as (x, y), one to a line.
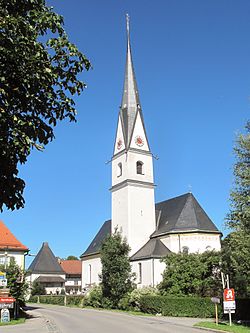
(153, 230)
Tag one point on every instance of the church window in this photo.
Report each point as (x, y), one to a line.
(119, 171)
(185, 249)
(139, 273)
(139, 168)
(90, 273)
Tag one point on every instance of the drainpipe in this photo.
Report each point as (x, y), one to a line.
(153, 271)
(179, 239)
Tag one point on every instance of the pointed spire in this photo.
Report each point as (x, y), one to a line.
(130, 99)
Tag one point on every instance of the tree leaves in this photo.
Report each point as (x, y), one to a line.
(38, 76)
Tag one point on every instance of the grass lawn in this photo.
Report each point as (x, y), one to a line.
(14, 322)
(224, 327)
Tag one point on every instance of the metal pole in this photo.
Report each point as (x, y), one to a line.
(229, 311)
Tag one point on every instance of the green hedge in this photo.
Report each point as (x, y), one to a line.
(179, 306)
(75, 300)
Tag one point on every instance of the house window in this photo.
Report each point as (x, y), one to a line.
(90, 273)
(139, 273)
(139, 167)
(119, 170)
(185, 249)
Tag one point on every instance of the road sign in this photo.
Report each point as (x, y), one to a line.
(215, 300)
(3, 282)
(5, 316)
(229, 305)
(7, 299)
(229, 295)
(2, 275)
(6, 305)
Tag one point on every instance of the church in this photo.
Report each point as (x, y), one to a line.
(153, 230)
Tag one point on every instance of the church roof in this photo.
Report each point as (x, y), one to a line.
(177, 215)
(131, 105)
(182, 214)
(45, 262)
(154, 248)
(9, 241)
(96, 243)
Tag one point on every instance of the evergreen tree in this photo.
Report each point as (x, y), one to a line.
(38, 289)
(239, 216)
(117, 279)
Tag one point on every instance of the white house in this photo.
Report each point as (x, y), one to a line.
(11, 247)
(46, 270)
(153, 230)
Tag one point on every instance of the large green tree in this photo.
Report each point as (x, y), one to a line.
(39, 70)
(192, 274)
(239, 216)
(117, 278)
(236, 261)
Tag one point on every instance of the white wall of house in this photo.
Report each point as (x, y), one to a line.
(195, 242)
(19, 257)
(91, 268)
(32, 277)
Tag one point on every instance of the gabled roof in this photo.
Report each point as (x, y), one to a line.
(45, 262)
(9, 241)
(96, 243)
(182, 214)
(154, 248)
(73, 267)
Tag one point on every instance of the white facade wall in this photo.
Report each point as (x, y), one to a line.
(19, 257)
(151, 272)
(49, 290)
(91, 269)
(195, 242)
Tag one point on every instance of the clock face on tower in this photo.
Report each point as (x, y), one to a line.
(119, 144)
(139, 141)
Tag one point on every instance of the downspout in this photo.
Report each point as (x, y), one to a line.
(153, 272)
(179, 239)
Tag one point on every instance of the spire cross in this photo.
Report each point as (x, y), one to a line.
(127, 19)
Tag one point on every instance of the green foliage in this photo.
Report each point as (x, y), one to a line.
(131, 301)
(39, 70)
(235, 328)
(94, 297)
(75, 300)
(192, 274)
(236, 261)
(117, 279)
(72, 258)
(239, 216)
(57, 300)
(16, 281)
(38, 289)
(178, 307)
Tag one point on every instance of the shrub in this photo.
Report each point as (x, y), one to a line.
(57, 300)
(179, 307)
(75, 300)
(94, 297)
(131, 301)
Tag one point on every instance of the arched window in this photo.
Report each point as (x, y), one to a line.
(185, 249)
(90, 273)
(119, 171)
(139, 168)
(139, 273)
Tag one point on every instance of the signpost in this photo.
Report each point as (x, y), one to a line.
(228, 298)
(216, 301)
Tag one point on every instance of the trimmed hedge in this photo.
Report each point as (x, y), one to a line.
(58, 300)
(179, 306)
(75, 300)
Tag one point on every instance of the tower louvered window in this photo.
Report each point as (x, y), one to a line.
(139, 168)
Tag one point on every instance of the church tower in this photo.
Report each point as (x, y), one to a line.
(133, 204)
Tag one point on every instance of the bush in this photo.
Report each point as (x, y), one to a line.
(75, 300)
(94, 297)
(57, 300)
(131, 301)
(179, 306)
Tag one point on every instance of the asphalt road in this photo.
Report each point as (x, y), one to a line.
(58, 319)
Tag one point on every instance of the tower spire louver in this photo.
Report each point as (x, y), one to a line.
(130, 105)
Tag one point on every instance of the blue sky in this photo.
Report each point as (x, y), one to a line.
(192, 63)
